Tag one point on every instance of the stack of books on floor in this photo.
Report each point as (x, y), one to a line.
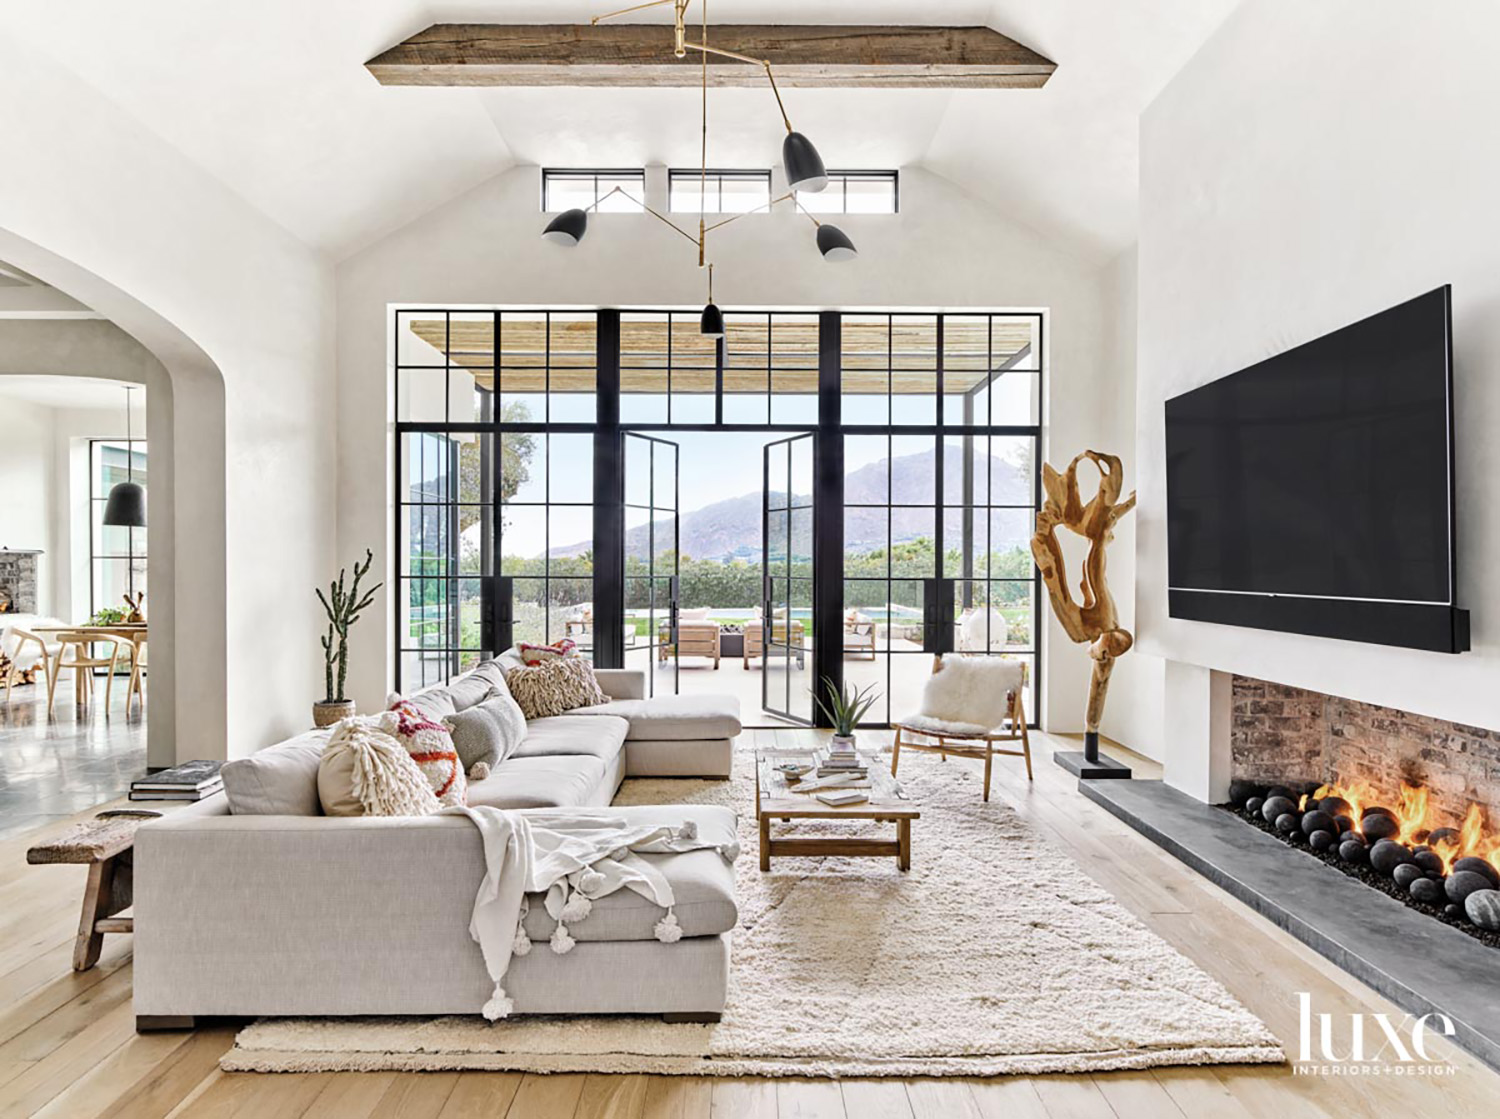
(188, 781)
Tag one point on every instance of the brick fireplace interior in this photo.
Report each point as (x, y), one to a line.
(18, 580)
(1285, 735)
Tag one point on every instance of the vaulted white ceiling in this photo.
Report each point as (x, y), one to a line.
(272, 98)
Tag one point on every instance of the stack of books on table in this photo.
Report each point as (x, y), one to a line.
(835, 762)
(188, 781)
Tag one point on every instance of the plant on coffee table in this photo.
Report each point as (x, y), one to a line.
(845, 707)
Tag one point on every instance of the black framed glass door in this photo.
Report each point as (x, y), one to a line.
(783, 635)
(652, 527)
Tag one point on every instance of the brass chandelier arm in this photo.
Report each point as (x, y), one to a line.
(770, 76)
(791, 194)
(673, 226)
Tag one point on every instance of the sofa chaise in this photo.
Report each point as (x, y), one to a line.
(276, 909)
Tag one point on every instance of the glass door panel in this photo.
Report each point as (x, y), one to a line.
(651, 560)
(783, 635)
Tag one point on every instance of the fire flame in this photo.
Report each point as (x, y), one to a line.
(1411, 812)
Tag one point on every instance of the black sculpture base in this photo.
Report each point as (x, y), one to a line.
(1090, 764)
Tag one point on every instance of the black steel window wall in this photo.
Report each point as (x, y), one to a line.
(926, 473)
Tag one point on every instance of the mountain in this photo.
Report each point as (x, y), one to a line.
(731, 528)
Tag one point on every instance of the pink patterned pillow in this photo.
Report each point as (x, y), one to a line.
(430, 745)
(534, 655)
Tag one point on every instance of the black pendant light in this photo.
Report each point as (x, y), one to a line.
(126, 506)
(711, 325)
(567, 229)
(804, 166)
(835, 245)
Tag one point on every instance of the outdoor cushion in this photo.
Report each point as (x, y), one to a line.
(573, 734)
(702, 883)
(557, 781)
(279, 781)
(674, 717)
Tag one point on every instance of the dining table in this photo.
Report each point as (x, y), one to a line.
(133, 632)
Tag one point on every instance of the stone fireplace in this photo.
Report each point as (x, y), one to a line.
(18, 580)
(1281, 735)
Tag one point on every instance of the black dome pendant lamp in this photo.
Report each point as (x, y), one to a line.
(711, 325)
(803, 165)
(126, 506)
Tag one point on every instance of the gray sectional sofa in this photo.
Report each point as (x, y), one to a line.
(276, 909)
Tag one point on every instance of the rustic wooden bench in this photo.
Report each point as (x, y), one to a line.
(105, 844)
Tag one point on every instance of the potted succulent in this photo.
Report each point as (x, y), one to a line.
(343, 608)
(845, 707)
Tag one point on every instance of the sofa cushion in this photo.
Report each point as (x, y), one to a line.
(671, 718)
(702, 883)
(476, 686)
(571, 734)
(281, 780)
(488, 732)
(555, 781)
(435, 702)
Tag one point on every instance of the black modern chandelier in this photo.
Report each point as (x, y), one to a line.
(799, 158)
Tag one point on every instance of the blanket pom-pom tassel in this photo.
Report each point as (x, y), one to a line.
(689, 830)
(667, 930)
(562, 943)
(499, 1005)
(522, 943)
(576, 908)
(590, 881)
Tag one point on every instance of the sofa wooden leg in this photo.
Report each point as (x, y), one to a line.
(149, 1023)
(691, 1016)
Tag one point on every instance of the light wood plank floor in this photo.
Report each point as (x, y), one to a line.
(68, 1048)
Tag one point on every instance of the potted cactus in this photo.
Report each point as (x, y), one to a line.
(845, 707)
(343, 607)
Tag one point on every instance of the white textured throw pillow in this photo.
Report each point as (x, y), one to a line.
(555, 687)
(367, 772)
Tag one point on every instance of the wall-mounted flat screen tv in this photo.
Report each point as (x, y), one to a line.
(1312, 492)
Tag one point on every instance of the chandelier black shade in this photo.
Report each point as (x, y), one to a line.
(835, 245)
(567, 229)
(712, 323)
(126, 505)
(804, 166)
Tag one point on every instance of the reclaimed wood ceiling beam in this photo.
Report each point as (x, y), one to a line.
(638, 54)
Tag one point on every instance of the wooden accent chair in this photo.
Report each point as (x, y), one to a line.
(947, 734)
(755, 644)
(859, 635)
(696, 637)
(83, 664)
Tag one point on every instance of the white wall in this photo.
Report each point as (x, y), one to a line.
(1313, 164)
(1133, 711)
(28, 487)
(946, 249)
(239, 313)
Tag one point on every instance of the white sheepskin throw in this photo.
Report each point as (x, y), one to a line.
(384, 779)
(970, 692)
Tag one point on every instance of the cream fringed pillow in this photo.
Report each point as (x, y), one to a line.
(555, 686)
(365, 771)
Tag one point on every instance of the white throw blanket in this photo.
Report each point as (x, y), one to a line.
(574, 859)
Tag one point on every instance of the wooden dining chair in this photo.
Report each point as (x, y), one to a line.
(135, 648)
(83, 664)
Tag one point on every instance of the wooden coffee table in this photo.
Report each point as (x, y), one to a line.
(775, 800)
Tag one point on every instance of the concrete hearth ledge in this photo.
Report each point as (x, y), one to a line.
(1420, 964)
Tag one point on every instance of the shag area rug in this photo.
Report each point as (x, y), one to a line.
(994, 954)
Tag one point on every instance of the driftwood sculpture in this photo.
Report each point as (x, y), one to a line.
(1093, 619)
